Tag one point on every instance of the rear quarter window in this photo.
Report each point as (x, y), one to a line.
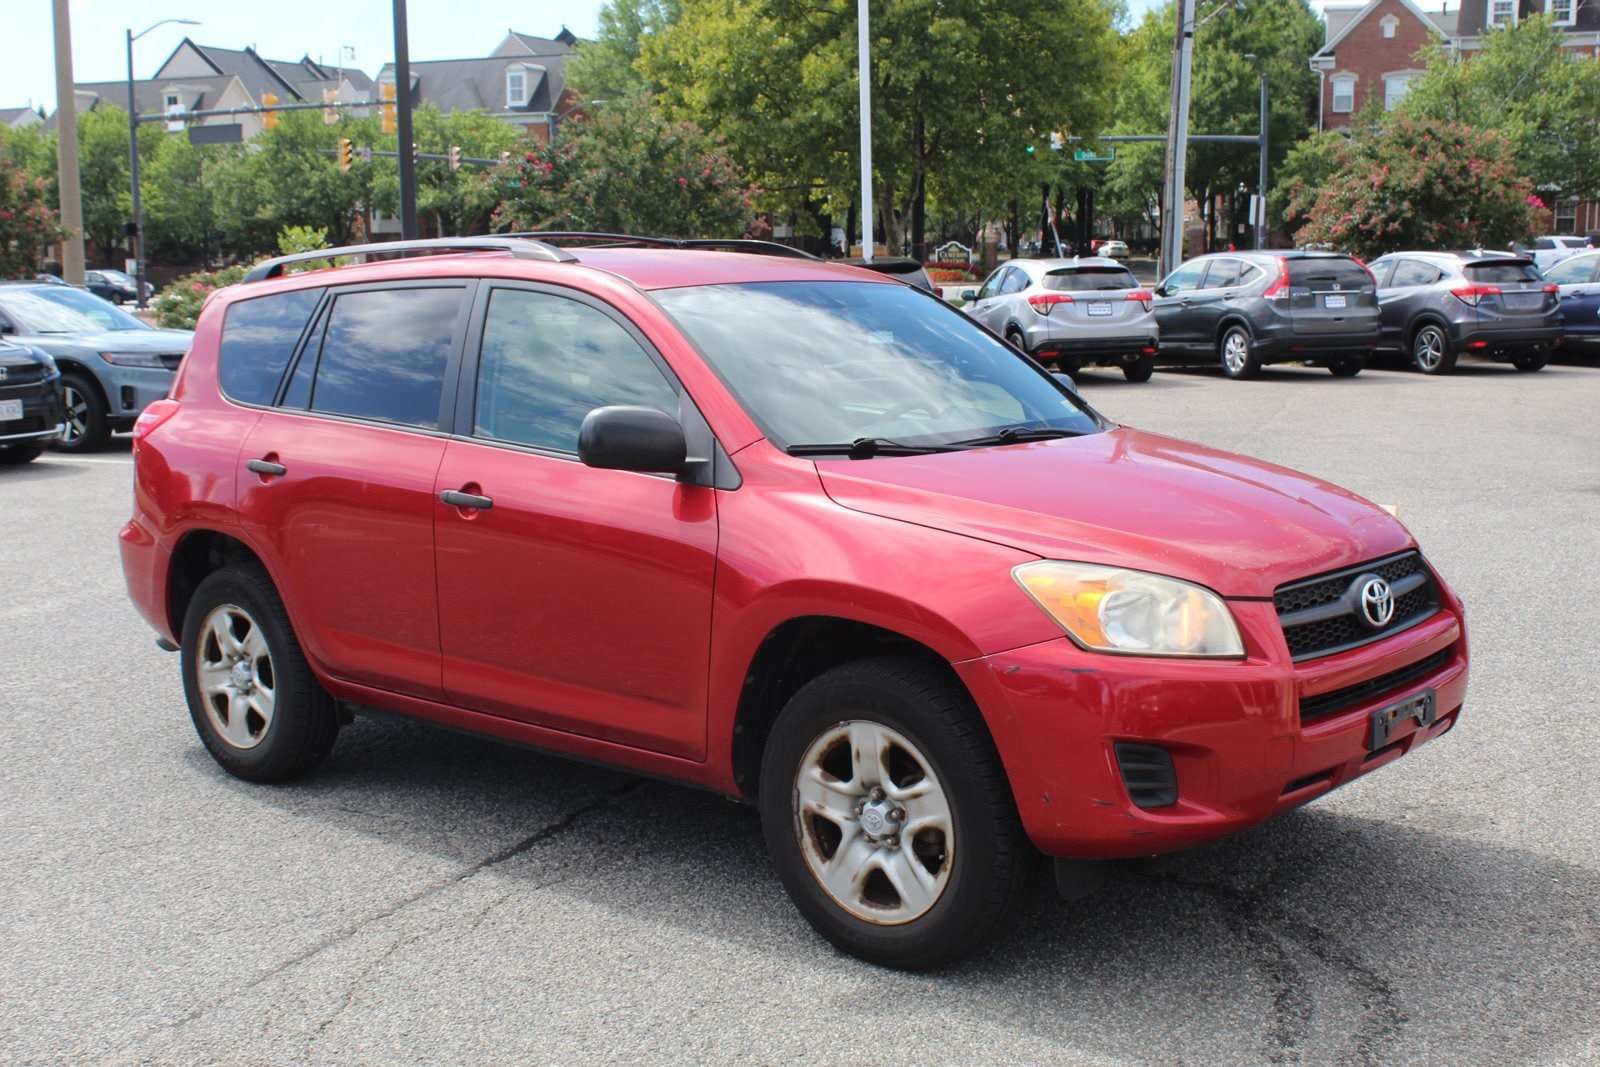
(258, 339)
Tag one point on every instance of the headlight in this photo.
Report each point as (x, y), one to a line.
(1108, 609)
(133, 359)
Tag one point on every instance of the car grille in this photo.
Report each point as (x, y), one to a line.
(1323, 615)
(21, 374)
(1324, 704)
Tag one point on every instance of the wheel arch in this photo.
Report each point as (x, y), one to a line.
(1426, 318)
(790, 655)
(199, 554)
(1228, 322)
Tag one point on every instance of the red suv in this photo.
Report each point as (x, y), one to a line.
(784, 529)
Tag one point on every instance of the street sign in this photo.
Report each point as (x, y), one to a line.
(230, 133)
(1083, 155)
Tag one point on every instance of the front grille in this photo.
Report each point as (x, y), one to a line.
(1148, 775)
(20, 374)
(1324, 704)
(1322, 615)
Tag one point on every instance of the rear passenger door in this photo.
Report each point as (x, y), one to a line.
(336, 480)
(571, 598)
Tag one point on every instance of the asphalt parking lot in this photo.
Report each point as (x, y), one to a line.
(433, 898)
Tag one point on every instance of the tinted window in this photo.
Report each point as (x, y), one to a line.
(547, 361)
(1409, 272)
(1499, 273)
(1015, 281)
(384, 354)
(1223, 273)
(1574, 271)
(258, 339)
(1089, 279)
(1322, 273)
(1184, 278)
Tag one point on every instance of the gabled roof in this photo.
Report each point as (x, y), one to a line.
(149, 97)
(465, 84)
(18, 117)
(563, 42)
(1355, 20)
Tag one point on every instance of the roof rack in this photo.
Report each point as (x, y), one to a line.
(623, 240)
(520, 247)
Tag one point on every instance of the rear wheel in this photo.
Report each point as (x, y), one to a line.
(888, 817)
(86, 427)
(1346, 368)
(1140, 369)
(1531, 361)
(1014, 336)
(1238, 356)
(1431, 350)
(252, 696)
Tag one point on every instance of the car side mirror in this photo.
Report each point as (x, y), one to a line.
(6, 327)
(1160, 290)
(627, 438)
(969, 295)
(1066, 381)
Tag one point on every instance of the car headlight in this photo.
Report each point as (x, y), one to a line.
(1110, 609)
(133, 359)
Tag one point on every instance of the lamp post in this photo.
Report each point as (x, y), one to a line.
(1260, 219)
(133, 162)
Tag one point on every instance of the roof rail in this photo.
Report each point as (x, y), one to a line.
(519, 247)
(623, 240)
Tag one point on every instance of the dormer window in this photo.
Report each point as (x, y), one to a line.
(1502, 12)
(1389, 24)
(1562, 12)
(516, 87)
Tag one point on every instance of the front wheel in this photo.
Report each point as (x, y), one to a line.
(1431, 351)
(252, 696)
(1140, 369)
(87, 428)
(1238, 356)
(888, 817)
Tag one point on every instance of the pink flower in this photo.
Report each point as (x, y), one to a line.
(1535, 202)
(197, 287)
(684, 182)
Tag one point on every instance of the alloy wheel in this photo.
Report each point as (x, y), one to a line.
(235, 676)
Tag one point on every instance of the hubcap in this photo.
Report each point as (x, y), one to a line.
(1430, 348)
(1235, 350)
(234, 670)
(77, 421)
(873, 822)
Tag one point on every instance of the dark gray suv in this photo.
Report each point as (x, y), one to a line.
(1440, 306)
(1247, 309)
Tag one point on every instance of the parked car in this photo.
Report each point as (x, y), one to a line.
(1546, 252)
(30, 402)
(112, 364)
(1246, 309)
(909, 271)
(1577, 282)
(1070, 313)
(113, 285)
(1439, 306)
(1113, 249)
(780, 528)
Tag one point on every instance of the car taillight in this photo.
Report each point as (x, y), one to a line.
(1553, 288)
(1043, 303)
(1279, 289)
(1471, 294)
(151, 417)
(1143, 296)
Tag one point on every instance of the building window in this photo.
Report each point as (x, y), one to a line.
(1344, 94)
(516, 87)
(1394, 89)
(1502, 12)
(1566, 216)
(1562, 12)
(1389, 25)
(171, 103)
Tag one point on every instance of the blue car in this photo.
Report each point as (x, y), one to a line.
(1578, 280)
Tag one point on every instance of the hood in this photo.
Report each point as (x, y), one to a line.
(1126, 498)
(163, 342)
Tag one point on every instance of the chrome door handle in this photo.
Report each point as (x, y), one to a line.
(459, 499)
(266, 466)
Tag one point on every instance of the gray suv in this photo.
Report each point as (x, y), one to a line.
(1440, 306)
(1246, 309)
(1071, 313)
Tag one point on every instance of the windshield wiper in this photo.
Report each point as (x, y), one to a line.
(1011, 435)
(865, 448)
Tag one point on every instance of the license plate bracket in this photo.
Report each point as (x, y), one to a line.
(10, 410)
(1423, 707)
(1099, 307)
(1333, 302)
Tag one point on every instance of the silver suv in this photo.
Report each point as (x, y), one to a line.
(1072, 313)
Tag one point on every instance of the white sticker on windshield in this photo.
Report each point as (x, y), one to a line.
(881, 337)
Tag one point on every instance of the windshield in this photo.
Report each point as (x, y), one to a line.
(63, 309)
(840, 362)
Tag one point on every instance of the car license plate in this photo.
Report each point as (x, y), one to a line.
(10, 409)
(1333, 301)
(1099, 307)
(1424, 708)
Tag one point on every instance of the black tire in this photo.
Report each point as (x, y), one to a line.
(1237, 352)
(1140, 369)
(1531, 361)
(88, 428)
(1431, 350)
(16, 455)
(971, 845)
(1346, 368)
(289, 731)
(1014, 336)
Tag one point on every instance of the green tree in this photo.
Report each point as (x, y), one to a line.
(450, 201)
(27, 220)
(1522, 83)
(606, 67)
(1419, 185)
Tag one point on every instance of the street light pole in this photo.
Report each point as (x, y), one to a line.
(1177, 143)
(1261, 171)
(133, 162)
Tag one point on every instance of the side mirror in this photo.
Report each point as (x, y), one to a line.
(1160, 290)
(1066, 381)
(632, 439)
(969, 295)
(5, 327)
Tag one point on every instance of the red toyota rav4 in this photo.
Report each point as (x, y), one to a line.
(788, 530)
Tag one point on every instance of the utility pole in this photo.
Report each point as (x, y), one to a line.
(864, 75)
(67, 150)
(1261, 174)
(407, 146)
(1177, 143)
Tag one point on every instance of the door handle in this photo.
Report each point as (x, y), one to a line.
(266, 466)
(459, 499)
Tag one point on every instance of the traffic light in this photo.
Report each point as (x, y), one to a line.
(387, 109)
(505, 157)
(455, 157)
(344, 153)
(269, 117)
(330, 115)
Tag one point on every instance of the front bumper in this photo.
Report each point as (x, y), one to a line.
(42, 418)
(129, 390)
(1232, 730)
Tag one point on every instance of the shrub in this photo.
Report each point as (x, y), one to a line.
(178, 305)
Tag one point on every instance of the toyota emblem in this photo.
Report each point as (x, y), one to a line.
(1377, 603)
